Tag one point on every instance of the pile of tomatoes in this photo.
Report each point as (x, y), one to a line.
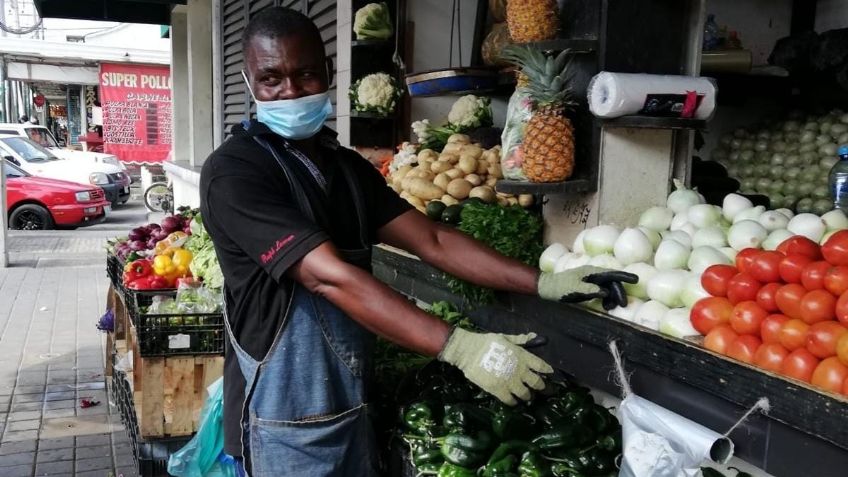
(785, 310)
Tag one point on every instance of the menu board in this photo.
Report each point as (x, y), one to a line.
(74, 126)
(137, 115)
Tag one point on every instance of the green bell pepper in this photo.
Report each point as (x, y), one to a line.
(514, 424)
(610, 442)
(500, 468)
(418, 418)
(463, 417)
(466, 450)
(560, 469)
(533, 465)
(506, 457)
(600, 420)
(565, 436)
(427, 456)
(574, 405)
(450, 470)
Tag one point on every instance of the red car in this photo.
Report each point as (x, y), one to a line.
(38, 203)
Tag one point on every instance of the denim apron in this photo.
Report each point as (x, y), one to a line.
(305, 410)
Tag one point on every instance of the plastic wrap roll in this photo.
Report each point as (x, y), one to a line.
(612, 95)
(726, 61)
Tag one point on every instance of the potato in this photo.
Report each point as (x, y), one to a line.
(442, 180)
(503, 202)
(426, 175)
(482, 168)
(474, 179)
(526, 200)
(398, 176)
(491, 156)
(494, 170)
(415, 201)
(447, 199)
(396, 188)
(455, 173)
(467, 164)
(472, 150)
(512, 201)
(440, 166)
(424, 189)
(448, 157)
(459, 188)
(484, 193)
(461, 139)
(491, 181)
(427, 154)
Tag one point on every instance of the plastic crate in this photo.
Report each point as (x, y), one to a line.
(151, 456)
(115, 272)
(174, 334)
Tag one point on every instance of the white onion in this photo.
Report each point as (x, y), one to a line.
(653, 236)
(704, 215)
(704, 257)
(606, 261)
(562, 262)
(678, 221)
(679, 236)
(628, 312)
(670, 255)
(667, 286)
(600, 240)
(729, 253)
(690, 230)
(733, 204)
(709, 237)
(751, 213)
(808, 225)
(693, 291)
(746, 234)
(835, 220)
(773, 220)
(577, 246)
(548, 259)
(632, 246)
(645, 272)
(682, 198)
(650, 314)
(787, 212)
(676, 323)
(656, 218)
(577, 260)
(776, 238)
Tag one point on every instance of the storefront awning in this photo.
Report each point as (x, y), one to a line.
(157, 12)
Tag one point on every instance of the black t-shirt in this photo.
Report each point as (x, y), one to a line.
(259, 232)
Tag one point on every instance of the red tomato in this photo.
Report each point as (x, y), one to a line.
(745, 258)
(766, 297)
(742, 287)
(842, 349)
(719, 338)
(842, 309)
(800, 245)
(792, 266)
(747, 317)
(818, 305)
(788, 299)
(823, 337)
(793, 334)
(830, 374)
(770, 328)
(715, 279)
(744, 348)
(836, 280)
(835, 250)
(800, 365)
(813, 275)
(710, 312)
(765, 266)
(770, 356)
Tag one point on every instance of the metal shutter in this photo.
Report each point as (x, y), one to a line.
(234, 16)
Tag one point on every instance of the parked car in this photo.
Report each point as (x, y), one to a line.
(45, 138)
(41, 162)
(39, 203)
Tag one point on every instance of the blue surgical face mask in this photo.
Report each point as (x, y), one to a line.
(295, 119)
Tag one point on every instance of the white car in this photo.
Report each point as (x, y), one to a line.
(44, 137)
(41, 162)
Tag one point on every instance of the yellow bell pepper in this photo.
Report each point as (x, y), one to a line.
(163, 265)
(181, 260)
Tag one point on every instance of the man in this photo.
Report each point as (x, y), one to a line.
(293, 216)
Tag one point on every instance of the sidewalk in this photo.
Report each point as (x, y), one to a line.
(52, 356)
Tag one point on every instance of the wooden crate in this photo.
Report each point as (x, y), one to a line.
(169, 392)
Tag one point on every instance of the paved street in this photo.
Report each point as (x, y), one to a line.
(53, 356)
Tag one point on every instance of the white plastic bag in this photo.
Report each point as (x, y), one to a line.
(518, 112)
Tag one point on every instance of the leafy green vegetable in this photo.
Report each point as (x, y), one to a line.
(204, 263)
(512, 231)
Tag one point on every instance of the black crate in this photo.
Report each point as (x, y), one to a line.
(150, 455)
(115, 272)
(174, 334)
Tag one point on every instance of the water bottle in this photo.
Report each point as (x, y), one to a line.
(711, 33)
(838, 180)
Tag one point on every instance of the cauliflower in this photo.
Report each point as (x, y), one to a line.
(407, 155)
(372, 22)
(422, 130)
(470, 112)
(375, 93)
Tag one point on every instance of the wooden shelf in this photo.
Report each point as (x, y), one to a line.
(573, 44)
(572, 186)
(651, 122)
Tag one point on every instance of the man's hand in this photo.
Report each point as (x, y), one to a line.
(586, 283)
(497, 363)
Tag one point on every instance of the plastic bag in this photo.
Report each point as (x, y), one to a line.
(518, 113)
(193, 297)
(203, 455)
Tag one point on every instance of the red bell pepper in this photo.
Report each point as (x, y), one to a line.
(151, 282)
(136, 270)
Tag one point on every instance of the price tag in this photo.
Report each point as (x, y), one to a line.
(179, 341)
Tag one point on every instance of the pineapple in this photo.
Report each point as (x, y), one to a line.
(549, 136)
(532, 20)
